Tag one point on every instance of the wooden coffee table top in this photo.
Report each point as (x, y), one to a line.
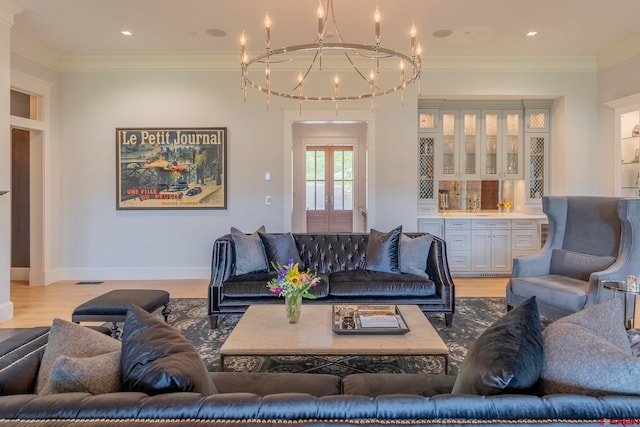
(264, 330)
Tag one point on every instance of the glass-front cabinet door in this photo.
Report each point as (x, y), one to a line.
(502, 144)
(460, 157)
(512, 164)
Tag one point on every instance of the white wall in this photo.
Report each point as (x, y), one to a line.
(6, 307)
(97, 242)
(615, 82)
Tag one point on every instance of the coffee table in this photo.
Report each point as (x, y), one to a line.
(264, 330)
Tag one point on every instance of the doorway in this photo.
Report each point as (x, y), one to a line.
(329, 179)
(20, 205)
(329, 188)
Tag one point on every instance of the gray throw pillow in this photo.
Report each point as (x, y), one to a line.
(577, 265)
(96, 375)
(414, 253)
(72, 340)
(579, 361)
(383, 251)
(587, 356)
(507, 357)
(280, 248)
(250, 256)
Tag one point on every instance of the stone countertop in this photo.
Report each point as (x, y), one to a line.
(483, 215)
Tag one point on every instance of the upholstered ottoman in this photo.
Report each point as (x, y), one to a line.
(112, 306)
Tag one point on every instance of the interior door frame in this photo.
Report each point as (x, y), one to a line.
(320, 144)
(294, 209)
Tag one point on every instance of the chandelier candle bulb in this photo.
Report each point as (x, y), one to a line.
(377, 21)
(267, 30)
(320, 22)
(413, 32)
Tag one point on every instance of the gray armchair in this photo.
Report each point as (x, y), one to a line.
(591, 239)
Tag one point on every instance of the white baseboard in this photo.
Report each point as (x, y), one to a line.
(134, 273)
(20, 274)
(6, 311)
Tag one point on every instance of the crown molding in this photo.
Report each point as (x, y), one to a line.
(192, 61)
(7, 11)
(619, 52)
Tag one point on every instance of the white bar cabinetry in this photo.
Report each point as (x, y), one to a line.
(485, 247)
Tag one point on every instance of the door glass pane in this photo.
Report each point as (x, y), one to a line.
(512, 143)
(470, 138)
(448, 143)
(315, 185)
(343, 179)
(491, 147)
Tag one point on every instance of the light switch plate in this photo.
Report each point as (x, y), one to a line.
(267, 176)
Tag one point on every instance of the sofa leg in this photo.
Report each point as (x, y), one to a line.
(213, 321)
(448, 319)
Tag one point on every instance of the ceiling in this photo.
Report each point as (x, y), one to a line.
(478, 27)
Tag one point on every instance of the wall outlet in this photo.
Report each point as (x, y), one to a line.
(267, 200)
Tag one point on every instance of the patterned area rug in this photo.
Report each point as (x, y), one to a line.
(472, 317)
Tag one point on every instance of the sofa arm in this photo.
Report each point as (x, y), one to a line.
(222, 260)
(20, 357)
(438, 271)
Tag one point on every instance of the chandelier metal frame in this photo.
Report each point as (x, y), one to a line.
(352, 52)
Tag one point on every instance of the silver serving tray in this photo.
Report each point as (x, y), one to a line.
(353, 326)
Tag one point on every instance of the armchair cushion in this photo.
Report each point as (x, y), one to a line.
(383, 251)
(577, 265)
(563, 291)
(250, 256)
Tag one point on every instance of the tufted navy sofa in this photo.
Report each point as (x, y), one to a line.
(338, 259)
(275, 399)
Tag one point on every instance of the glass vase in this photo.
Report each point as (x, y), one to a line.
(293, 305)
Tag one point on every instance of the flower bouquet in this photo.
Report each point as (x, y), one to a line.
(293, 285)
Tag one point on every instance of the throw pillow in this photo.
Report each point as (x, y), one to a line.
(577, 265)
(507, 357)
(604, 319)
(583, 354)
(414, 253)
(72, 340)
(96, 375)
(158, 359)
(250, 256)
(280, 248)
(383, 252)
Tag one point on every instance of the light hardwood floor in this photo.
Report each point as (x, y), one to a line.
(39, 305)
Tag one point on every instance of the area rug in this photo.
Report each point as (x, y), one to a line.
(472, 317)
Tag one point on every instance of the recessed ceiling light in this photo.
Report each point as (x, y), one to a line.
(126, 33)
(442, 33)
(215, 32)
(532, 33)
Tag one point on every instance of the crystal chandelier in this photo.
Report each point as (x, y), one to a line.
(330, 69)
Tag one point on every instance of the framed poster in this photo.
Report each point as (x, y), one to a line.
(171, 168)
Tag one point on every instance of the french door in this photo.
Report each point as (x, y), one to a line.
(329, 188)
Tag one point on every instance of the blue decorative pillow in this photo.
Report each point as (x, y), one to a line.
(250, 256)
(279, 247)
(507, 357)
(383, 251)
(414, 253)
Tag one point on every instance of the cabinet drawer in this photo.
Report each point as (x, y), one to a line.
(525, 240)
(491, 224)
(459, 260)
(458, 241)
(457, 224)
(431, 226)
(524, 224)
